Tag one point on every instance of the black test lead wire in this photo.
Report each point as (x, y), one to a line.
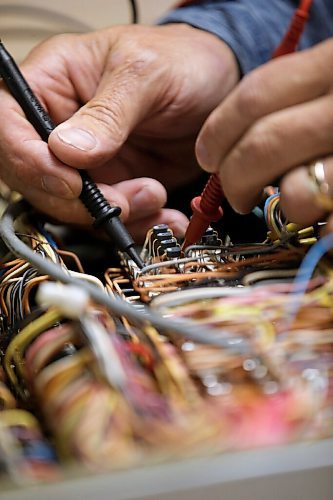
(106, 216)
(134, 9)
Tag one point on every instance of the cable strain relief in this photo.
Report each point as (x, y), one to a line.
(211, 216)
(95, 202)
(106, 213)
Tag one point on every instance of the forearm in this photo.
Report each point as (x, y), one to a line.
(254, 29)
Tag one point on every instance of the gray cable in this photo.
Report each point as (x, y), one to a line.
(119, 307)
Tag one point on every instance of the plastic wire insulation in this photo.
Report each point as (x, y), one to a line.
(135, 14)
(306, 269)
(206, 207)
(291, 39)
(219, 338)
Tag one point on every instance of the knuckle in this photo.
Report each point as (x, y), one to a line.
(135, 56)
(18, 174)
(250, 94)
(141, 62)
(60, 40)
(109, 115)
(259, 144)
(55, 44)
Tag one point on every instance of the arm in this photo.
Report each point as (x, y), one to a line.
(254, 28)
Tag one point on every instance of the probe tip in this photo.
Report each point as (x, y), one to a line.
(131, 252)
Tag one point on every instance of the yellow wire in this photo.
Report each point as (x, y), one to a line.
(19, 343)
(11, 418)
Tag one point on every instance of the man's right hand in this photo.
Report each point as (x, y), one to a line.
(130, 101)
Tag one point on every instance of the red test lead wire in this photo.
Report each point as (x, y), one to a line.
(187, 2)
(291, 39)
(206, 208)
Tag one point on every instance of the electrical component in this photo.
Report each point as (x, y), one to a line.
(206, 208)
(191, 350)
(105, 215)
(210, 348)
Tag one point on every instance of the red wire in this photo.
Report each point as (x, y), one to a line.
(186, 2)
(306, 5)
(291, 39)
(206, 208)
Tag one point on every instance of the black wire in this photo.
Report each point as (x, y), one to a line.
(196, 333)
(134, 8)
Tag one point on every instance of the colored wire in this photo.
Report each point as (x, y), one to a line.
(291, 39)
(134, 8)
(117, 306)
(307, 267)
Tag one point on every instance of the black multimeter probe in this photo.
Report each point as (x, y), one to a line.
(106, 216)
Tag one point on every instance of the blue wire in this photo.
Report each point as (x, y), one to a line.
(47, 235)
(305, 271)
(267, 203)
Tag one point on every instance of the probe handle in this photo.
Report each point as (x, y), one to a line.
(23, 94)
(104, 214)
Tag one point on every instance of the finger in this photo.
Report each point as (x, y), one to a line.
(262, 92)
(274, 145)
(66, 211)
(137, 199)
(27, 161)
(177, 221)
(97, 130)
(144, 197)
(298, 200)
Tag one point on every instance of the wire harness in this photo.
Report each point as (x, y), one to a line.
(193, 352)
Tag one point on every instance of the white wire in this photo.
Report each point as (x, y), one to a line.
(181, 296)
(117, 306)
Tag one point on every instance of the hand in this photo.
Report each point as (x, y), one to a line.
(277, 120)
(130, 100)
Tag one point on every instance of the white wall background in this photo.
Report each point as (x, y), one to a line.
(24, 23)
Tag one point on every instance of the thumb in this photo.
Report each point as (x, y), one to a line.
(97, 130)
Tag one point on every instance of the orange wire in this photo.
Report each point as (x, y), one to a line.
(74, 257)
(32, 283)
(19, 264)
(3, 304)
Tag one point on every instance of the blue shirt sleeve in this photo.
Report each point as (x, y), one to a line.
(254, 28)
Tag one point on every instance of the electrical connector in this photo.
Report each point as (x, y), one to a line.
(71, 300)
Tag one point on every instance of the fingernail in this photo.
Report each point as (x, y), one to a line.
(57, 187)
(77, 138)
